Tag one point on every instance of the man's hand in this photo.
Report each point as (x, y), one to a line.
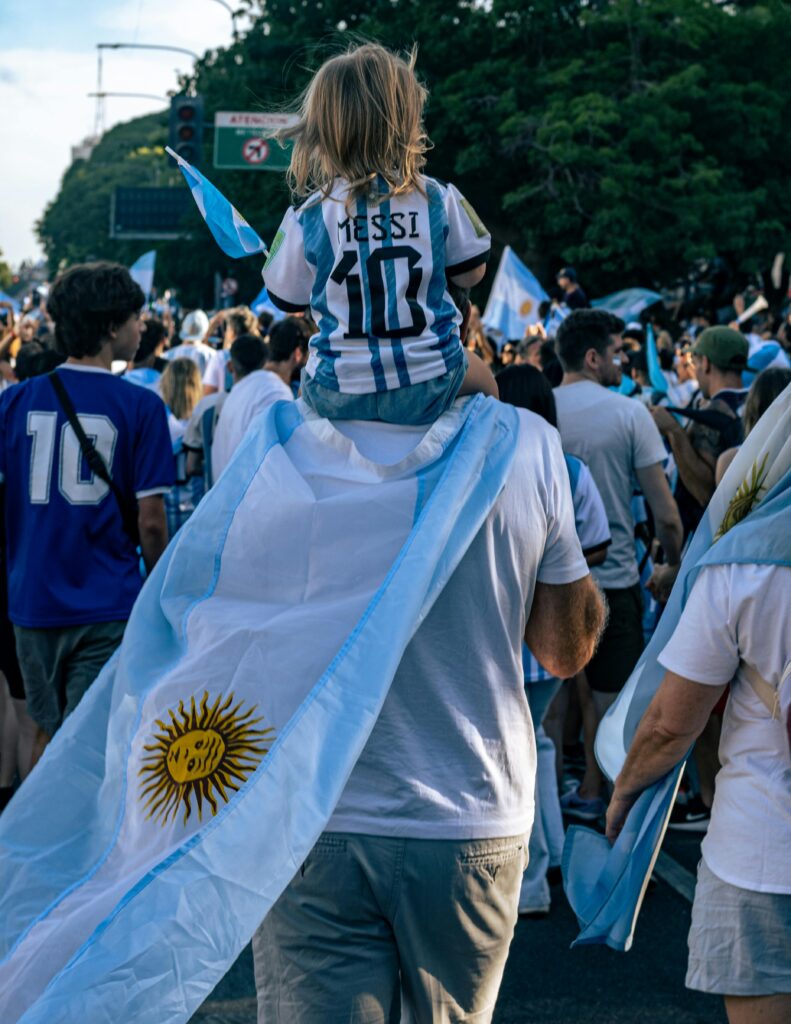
(617, 813)
(661, 582)
(665, 421)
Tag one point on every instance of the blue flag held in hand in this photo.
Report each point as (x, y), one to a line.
(231, 231)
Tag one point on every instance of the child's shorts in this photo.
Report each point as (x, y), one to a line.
(415, 405)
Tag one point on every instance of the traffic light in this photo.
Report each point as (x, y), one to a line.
(185, 130)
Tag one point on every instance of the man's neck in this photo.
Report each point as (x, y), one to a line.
(103, 358)
(576, 377)
(281, 370)
(725, 382)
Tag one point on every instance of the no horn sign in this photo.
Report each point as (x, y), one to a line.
(243, 141)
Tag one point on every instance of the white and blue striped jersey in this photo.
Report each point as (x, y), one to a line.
(593, 531)
(375, 278)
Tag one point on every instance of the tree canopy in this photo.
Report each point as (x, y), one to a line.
(626, 137)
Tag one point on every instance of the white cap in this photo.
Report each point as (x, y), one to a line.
(194, 326)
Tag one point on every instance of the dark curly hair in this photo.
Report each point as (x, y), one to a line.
(582, 330)
(87, 301)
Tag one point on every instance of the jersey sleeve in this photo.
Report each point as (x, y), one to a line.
(288, 276)
(155, 470)
(562, 560)
(590, 518)
(468, 243)
(647, 445)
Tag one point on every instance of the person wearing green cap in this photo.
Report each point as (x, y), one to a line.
(719, 356)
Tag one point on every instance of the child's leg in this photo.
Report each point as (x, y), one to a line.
(478, 379)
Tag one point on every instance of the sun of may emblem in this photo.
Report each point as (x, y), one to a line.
(201, 755)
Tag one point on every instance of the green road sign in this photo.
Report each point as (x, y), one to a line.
(243, 141)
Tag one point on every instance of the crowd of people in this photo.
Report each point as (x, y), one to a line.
(115, 423)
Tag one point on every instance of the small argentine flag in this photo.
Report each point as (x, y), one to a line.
(231, 231)
(142, 272)
(514, 298)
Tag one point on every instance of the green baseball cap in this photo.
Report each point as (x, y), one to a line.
(724, 346)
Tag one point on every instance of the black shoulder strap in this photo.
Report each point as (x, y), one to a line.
(93, 458)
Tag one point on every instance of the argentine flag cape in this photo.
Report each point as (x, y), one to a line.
(178, 801)
(747, 521)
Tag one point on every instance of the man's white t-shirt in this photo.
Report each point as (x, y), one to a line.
(452, 754)
(590, 515)
(743, 613)
(249, 396)
(199, 353)
(375, 277)
(216, 370)
(614, 436)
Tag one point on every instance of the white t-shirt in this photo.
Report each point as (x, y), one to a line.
(743, 612)
(590, 516)
(249, 396)
(452, 754)
(199, 353)
(375, 279)
(614, 436)
(215, 373)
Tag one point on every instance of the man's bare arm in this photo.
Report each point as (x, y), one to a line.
(565, 624)
(672, 722)
(153, 527)
(667, 521)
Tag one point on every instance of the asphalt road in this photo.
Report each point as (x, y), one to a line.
(547, 983)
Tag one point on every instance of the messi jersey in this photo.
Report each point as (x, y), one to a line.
(70, 560)
(374, 276)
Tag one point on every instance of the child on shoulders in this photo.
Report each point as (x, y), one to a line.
(372, 247)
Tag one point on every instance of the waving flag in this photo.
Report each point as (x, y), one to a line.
(655, 374)
(142, 272)
(178, 801)
(514, 298)
(231, 231)
(262, 303)
(629, 303)
(746, 521)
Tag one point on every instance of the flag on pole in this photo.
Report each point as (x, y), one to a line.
(655, 374)
(629, 303)
(142, 272)
(514, 298)
(177, 802)
(746, 521)
(231, 231)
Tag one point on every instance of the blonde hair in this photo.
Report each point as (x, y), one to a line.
(180, 387)
(361, 117)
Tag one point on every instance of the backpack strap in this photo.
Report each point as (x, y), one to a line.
(765, 692)
(93, 458)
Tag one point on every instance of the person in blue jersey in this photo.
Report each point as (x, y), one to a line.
(372, 248)
(72, 536)
(148, 364)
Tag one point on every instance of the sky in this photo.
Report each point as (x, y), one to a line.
(48, 64)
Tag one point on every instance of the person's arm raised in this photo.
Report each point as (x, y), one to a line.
(565, 624)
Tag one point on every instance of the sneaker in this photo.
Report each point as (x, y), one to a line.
(693, 816)
(575, 806)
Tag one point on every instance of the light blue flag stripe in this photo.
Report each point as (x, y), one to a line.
(176, 925)
(655, 374)
(629, 303)
(746, 521)
(231, 231)
(142, 271)
(514, 299)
